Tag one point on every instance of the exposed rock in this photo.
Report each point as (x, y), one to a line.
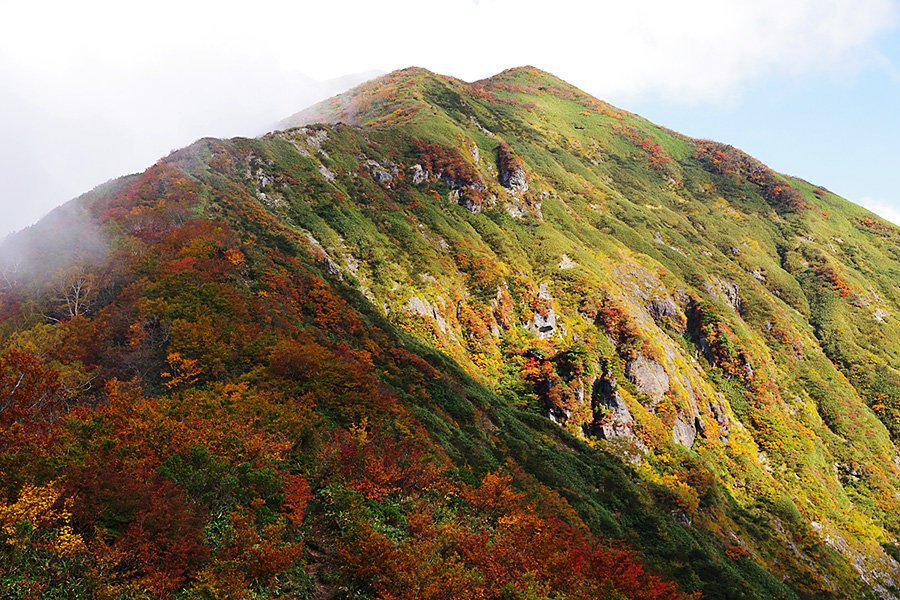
(544, 291)
(683, 432)
(379, 173)
(700, 426)
(264, 179)
(326, 261)
(649, 376)
(425, 309)
(717, 408)
(880, 314)
(614, 417)
(514, 178)
(419, 307)
(512, 172)
(567, 263)
(543, 323)
(667, 314)
(418, 174)
(326, 172)
(728, 291)
(544, 326)
(514, 210)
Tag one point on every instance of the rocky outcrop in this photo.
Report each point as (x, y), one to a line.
(418, 174)
(544, 325)
(423, 308)
(511, 169)
(648, 376)
(684, 432)
(612, 419)
(667, 314)
(727, 291)
(379, 173)
(514, 178)
(543, 322)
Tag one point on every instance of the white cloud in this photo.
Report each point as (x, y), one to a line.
(883, 208)
(92, 89)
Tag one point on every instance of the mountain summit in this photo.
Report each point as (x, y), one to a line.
(440, 339)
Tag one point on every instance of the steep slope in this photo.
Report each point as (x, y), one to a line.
(470, 329)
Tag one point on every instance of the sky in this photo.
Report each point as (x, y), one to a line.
(91, 90)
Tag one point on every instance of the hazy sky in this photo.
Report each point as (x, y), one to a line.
(90, 90)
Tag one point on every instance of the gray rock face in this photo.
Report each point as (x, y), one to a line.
(621, 421)
(379, 173)
(649, 376)
(667, 314)
(264, 179)
(544, 326)
(717, 408)
(729, 292)
(515, 178)
(418, 174)
(425, 309)
(382, 176)
(683, 432)
(618, 422)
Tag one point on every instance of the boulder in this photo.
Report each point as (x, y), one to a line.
(544, 326)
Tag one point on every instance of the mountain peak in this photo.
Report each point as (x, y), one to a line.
(490, 318)
(402, 94)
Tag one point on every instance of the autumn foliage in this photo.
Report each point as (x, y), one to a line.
(739, 167)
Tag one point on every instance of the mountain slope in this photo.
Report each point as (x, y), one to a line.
(455, 321)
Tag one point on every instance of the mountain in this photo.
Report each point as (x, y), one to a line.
(440, 339)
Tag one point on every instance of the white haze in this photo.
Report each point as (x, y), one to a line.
(94, 89)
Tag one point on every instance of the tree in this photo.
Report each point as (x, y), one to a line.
(75, 289)
(29, 391)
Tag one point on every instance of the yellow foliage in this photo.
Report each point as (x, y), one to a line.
(359, 432)
(182, 371)
(35, 508)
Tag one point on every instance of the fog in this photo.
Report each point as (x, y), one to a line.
(63, 143)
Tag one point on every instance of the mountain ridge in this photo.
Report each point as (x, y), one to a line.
(714, 342)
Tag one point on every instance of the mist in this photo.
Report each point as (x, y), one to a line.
(62, 142)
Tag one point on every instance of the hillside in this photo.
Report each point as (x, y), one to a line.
(439, 339)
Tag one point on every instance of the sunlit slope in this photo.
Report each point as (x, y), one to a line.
(655, 339)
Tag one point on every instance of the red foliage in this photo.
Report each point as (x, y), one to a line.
(29, 395)
(448, 164)
(155, 530)
(612, 318)
(506, 544)
(732, 163)
(655, 152)
(834, 280)
(507, 158)
(720, 344)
